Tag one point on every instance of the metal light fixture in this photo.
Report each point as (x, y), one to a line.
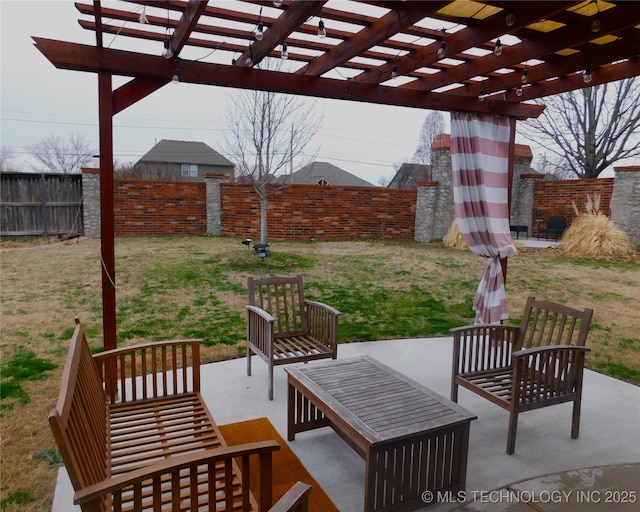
(497, 50)
(322, 32)
(284, 53)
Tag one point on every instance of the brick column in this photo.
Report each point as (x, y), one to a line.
(91, 201)
(625, 201)
(214, 204)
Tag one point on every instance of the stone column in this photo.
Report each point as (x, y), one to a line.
(214, 203)
(426, 201)
(625, 201)
(91, 201)
(442, 173)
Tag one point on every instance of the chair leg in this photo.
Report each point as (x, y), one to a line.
(575, 420)
(511, 436)
(249, 353)
(270, 381)
(454, 391)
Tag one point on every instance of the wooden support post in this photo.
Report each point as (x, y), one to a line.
(107, 223)
(510, 164)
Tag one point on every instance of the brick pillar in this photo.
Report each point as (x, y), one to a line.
(91, 201)
(625, 201)
(442, 173)
(214, 204)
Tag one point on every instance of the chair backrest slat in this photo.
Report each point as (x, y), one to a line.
(282, 298)
(547, 323)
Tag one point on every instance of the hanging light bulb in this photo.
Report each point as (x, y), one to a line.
(519, 91)
(442, 50)
(587, 75)
(394, 71)
(176, 77)
(260, 31)
(322, 32)
(167, 53)
(525, 76)
(284, 54)
(249, 61)
(596, 24)
(143, 16)
(497, 50)
(277, 3)
(510, 19)
(482, 95)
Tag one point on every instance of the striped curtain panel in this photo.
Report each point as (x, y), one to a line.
(479, 156)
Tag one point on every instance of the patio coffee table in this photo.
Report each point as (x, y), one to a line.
(412, 439)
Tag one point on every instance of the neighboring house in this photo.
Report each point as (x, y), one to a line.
(183, 160)
(324, 173)
(409, 174)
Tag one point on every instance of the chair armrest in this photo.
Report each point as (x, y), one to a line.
(152, 369)
(260, 330)
(295, 499)
(482, 347)
(175, 467)
(543, 373)
(322, 322)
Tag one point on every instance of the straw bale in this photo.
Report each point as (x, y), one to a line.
(453, 239)
(594, 235)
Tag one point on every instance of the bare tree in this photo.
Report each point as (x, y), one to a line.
(267, 133)
(592, 128)
(6, 160)
(65, 156)
(433, 125)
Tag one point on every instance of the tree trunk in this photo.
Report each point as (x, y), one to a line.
(263, 218)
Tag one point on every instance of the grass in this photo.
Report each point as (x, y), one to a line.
(196, 287)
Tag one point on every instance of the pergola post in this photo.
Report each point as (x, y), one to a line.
(107, 223)
(510, 164)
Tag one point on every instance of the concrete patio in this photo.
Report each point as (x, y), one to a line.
(545, 452)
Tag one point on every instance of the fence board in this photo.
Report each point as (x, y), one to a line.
(41, 204)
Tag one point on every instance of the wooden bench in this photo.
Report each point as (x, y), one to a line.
(283, 327)
(156, 445)
(537, 364)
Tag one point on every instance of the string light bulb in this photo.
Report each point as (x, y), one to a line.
(259, 31)
(519, 91)
(284, 53)
(143, 16)
(442, 50)
(510, 19)
(322, 32)
(277, 3)
(394, 71)
(482, 94)
(497, 50)
(525, 76)
(587, 75)
(596, 24)
(176, 77)
(249, 61)
(167, 53)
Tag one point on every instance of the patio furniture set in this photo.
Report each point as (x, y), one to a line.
(156, 445)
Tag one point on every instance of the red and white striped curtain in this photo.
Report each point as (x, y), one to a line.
(479, 156)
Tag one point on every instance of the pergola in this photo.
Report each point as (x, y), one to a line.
(488, 57)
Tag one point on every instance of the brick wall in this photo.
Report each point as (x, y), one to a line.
(159, 208)
(301, 212)
(553, 198)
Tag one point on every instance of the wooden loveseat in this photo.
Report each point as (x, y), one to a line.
(526, 367)
(154, 446)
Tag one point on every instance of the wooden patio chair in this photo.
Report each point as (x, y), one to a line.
(283, 327)
(537, 364)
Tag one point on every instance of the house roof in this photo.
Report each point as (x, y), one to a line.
(409, 174)
(314, 172)
(185, 152)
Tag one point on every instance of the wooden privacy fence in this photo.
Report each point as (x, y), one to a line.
(41, 204)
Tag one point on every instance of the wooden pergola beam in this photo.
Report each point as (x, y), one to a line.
(73, 56)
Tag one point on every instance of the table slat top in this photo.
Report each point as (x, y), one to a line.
(381, 403)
